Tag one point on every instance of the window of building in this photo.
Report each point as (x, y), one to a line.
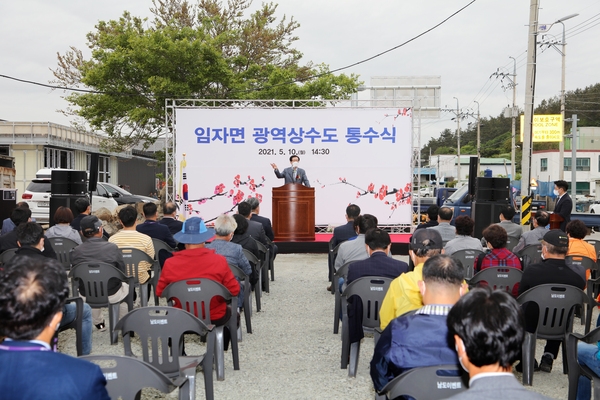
(103, 167)
(544, 164)
(583, 164)
(582, 188)
(59, 158)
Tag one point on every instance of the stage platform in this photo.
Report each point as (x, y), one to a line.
(321, 244)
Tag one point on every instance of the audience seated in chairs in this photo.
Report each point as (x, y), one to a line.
(577, 231)
(152, 228)
(9, 241)
(32, 295)
(487, 328)
(432, 218)
(404, 294)
(62, 228)
(83, 208)
(242, 237)
(551, 270)
(30, 237)
(444, 228)
(96, 249)
(496, 237)
(378, 264)
(534, 236)
(224, 227)
(196, 261)
(130, 237)
(420, 339)
(464, 240)
(355, 249)
(346, 231)
(8, 224)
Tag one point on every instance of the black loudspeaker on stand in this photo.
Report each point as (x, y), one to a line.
(93, 171)
(492, 194)
(67, 182)
(64, 201)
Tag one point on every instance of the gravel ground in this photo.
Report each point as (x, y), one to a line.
(293, 353)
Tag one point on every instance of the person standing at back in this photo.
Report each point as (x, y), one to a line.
(564, 204)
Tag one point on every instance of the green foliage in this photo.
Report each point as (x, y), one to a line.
(496, 131)
(206, 50)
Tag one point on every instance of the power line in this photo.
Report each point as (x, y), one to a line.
(267, 87)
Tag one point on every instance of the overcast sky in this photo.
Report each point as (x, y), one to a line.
(464, 51)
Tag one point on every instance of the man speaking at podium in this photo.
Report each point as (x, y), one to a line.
(292, 174)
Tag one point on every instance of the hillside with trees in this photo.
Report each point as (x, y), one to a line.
(496, 131)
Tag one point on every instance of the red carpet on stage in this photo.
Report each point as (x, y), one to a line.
(321, 244)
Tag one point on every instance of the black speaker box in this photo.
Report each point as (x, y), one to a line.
(484, 214)
(65, 182)
(472, 175)
(493, 190)
(93, 171)
(8, 202)
(64, 201)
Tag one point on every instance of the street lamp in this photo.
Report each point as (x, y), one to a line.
(478, 138)
(561, 145)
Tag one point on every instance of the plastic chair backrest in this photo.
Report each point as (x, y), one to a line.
(126, 376)
(580, 264)
(504, 278)
(530, 254)
(160, 331)
(7, 255)
(467, 258)
(595, 243)
(251, 258)
(430, 383)
(195, 294)
(132, 258)
(511, 242)
(574, 367)
(371, 290)
(63, 247)
(556, 303)
(94, 277)
(160, 245)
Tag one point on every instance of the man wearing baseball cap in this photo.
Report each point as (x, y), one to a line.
(403, 294)
(552, 269)
(196, 261)
(96, 249)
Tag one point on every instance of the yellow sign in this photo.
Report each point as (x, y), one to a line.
(546, 128)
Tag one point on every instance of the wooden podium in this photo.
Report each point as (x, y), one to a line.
(294, 213)
(555, 221)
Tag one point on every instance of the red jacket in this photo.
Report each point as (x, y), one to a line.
(199, 263)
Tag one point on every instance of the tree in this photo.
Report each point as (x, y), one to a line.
(207, 50)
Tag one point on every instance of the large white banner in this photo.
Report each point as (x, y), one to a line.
(360, 156)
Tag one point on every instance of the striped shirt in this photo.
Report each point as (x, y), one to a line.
(136, 240)
(434, 309)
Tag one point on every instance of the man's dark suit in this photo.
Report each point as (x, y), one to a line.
(266, 223)
(157, 231)
(379, 264)
(343, 233)
(171, 223)
(9, 241)
(288, 175)
(34, 374)
(256, 230)
(564, 207)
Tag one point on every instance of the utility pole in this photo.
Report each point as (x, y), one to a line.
(573, 137)
(458, 138)
(513, 172)
(513, 112)
(478, 139)
(561, 144)
(529, 99)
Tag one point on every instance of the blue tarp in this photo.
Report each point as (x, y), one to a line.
(543, 188)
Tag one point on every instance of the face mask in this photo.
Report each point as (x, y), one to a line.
(295, 164)
(555, 192)
(460, 360)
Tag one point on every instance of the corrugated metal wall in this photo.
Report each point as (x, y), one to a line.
(137, 175)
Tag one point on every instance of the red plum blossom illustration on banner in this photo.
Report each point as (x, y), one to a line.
(235, 193)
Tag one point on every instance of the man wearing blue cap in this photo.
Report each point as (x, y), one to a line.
(196, 261)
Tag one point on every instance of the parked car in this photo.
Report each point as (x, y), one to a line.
(120, 195)
(38, 194)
